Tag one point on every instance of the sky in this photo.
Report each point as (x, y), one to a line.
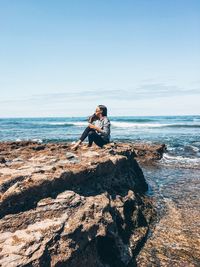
(64, 57)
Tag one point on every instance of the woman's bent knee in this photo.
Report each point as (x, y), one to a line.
(91, 133)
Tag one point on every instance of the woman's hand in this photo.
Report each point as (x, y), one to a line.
(94, 127)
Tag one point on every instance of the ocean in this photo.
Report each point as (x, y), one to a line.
(174, 182)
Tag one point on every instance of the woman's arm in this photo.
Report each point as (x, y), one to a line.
(95, 127)
(105, 130)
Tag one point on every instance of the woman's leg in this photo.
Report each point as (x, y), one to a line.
(82, 138)
(97, 139)
(85, 133)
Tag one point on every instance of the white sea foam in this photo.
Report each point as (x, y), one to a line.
(195, 149)
(31, 140)
(113, 123)
(181, 161)
(58, 123)
(120, 124)
(37, 140)
(80, 123)
(125, 124)
(152, 125)
(137, 125)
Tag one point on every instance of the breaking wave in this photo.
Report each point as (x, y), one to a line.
(181, 161)
(152, 125)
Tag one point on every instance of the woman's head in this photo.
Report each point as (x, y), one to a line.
(101, 109)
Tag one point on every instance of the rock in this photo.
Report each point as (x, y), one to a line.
(2, 160)
(91, 154)
(37, 148)
(72, 230)
(55, 213)
(72, 158)
(70, 155)
(149, 152)
(17, 159)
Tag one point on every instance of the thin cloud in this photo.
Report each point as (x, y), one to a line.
(145, 91)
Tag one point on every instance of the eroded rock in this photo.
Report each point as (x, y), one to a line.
(64, 208)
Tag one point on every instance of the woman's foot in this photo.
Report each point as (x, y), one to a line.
(89, 145)
(77, 144)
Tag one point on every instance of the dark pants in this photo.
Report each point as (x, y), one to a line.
(92, 137)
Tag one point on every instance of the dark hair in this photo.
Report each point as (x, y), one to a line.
(103, 109)
(92, 118)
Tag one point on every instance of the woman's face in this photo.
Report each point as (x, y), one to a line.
(98, 111)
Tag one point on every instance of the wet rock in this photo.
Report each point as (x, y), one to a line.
(172, 243)
(149, 152)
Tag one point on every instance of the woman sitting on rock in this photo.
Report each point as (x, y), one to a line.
(98, 130)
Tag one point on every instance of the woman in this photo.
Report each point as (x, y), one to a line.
(98, 130)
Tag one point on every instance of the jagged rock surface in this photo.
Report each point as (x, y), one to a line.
(64, 208)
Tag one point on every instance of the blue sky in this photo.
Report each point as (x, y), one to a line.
(64, 57)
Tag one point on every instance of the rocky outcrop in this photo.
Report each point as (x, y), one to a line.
(64, 208)
(149, 152)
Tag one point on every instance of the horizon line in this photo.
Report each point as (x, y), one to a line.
(48, 117)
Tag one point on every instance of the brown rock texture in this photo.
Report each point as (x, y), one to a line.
(59, 207)
(174, 241)
(145, 152)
